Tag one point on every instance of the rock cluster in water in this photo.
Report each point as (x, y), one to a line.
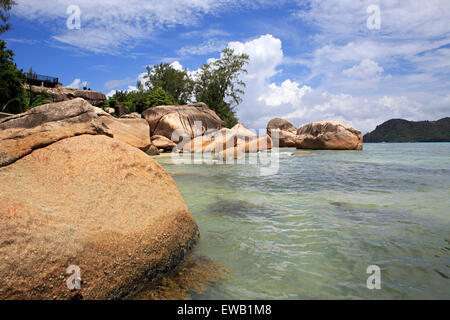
(196, 128)
(323, 135)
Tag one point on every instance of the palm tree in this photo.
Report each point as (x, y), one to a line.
(31, 99)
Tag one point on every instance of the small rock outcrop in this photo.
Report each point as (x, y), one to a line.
(226, 140)
(248, 146)
(133, 131)
(164, 143)
(121, 110)
(214, 141)
(331, 135)
(287, 132)
(60, 94)
(133, 115)
(164, 120)
(95, 203)
(43, 125)
(243, 131)
(153, 151)
(302, 154)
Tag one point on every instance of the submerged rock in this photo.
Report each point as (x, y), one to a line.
(92, 202)
(302, 154)
(194, 275)
(329, 135)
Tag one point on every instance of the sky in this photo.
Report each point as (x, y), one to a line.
(357, 62)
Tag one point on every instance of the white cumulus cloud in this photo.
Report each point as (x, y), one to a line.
(302, 104)
(75, 84)
(367, 69)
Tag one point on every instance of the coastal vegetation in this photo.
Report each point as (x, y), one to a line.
(219, 85)
(176, 83)
(216, 83)
(14, 98)
(11, 82)
(5, 7)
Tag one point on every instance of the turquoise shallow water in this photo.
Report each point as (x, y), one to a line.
(311, 230)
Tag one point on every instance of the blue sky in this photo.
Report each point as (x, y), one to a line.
(310, 60)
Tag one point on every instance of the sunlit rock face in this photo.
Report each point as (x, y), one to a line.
(329, 135)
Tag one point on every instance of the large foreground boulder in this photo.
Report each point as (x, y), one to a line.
(60, 94)
(43, 125)
(287, 132)
(164, 120)
(329, 135)
(91, 202)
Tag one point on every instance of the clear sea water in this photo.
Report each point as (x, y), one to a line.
(311, 231)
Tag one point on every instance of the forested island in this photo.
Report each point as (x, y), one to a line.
(400, 130)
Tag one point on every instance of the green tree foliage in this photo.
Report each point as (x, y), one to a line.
(31, 74)
(138, 101)
(32, 99)
(219, 85)
(174, 82)
(120, 97)
(5, 7)
(11, 86)
(159, 97)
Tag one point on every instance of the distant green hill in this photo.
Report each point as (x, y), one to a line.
(399, 130)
